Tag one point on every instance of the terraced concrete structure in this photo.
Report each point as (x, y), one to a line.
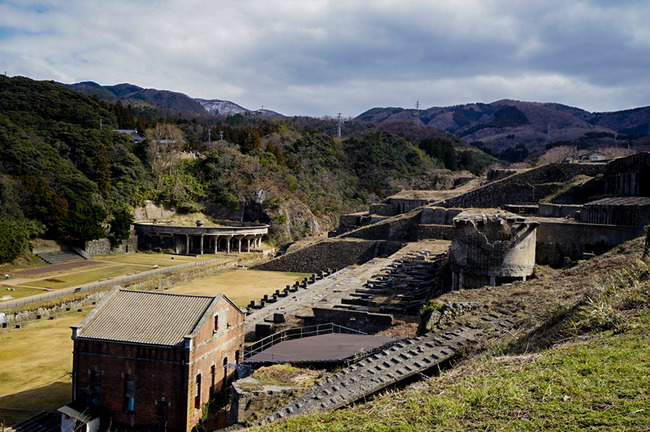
(327, 294)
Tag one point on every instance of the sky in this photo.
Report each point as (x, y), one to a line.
(321, 58)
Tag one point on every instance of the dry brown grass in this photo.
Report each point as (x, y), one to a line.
(241, 285)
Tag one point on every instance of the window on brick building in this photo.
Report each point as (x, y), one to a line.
(95, 390)
(197, 397)
(129, 394)
(213, 378)
(216, 322)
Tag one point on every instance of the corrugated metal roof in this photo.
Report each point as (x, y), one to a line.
(145, 317)
(621, 201)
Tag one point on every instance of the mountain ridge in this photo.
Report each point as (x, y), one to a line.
(506, 122)
(166, 99)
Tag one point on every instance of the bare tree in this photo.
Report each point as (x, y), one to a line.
(165, 144)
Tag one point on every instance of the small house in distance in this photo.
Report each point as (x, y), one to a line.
(150, 361)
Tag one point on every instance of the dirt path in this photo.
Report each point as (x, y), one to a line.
(57, 267)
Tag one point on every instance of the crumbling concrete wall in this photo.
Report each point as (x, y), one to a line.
(485, 248)
(559, 240)
(629, 176)
(400, 228)
(250, 397)
(331, 254)
(632, 211)
(559, 210)
(361, 320)
(439, 215)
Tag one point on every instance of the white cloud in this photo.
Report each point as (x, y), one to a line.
(321, 57)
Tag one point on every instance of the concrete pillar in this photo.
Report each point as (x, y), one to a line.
(248, 245)
(228, 244)
(175, 240)
(493, 280)
(201, 244)
(239, 245)
(187, 244)
(216, 244)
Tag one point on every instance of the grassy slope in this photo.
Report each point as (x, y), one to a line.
(579, 360)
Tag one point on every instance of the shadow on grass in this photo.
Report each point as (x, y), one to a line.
(19, 406)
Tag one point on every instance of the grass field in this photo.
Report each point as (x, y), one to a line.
(19, 291)
(35, 363)
(85, 276)
(35, 360)
(162, 260)
(241, 285)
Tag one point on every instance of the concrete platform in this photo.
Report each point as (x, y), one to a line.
(334, 347)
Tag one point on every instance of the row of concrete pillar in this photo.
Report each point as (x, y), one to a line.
(217, 243)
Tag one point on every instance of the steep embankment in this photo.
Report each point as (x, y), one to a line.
(576, 359)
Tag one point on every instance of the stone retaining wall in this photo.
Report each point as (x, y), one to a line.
(525, 187)
(103, 246)
(432, 231)
(157, 282)
(331, 253)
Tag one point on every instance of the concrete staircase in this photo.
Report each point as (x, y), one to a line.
(388, 367)
(60, 257)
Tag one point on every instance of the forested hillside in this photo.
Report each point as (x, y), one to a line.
(65, 172)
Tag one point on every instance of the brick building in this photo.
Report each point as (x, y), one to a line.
(150, 361)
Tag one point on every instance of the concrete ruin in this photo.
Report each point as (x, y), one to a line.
(491, 248)
(202, 238)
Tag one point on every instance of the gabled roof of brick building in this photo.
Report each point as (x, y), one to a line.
(146, 317)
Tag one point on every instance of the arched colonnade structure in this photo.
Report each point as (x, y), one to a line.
(200, 239)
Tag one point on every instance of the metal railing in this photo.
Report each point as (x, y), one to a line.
(296, 333)
(97, 285)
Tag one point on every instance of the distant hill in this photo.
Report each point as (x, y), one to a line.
(224, 107)
(165, 99)
(505, 123)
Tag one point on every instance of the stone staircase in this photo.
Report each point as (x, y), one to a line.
(60, 256)
(42, 422)
(402, 287)
(388, 367)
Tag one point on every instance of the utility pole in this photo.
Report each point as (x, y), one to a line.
(338, 132)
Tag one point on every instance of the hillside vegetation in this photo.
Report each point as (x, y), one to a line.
(65, 172)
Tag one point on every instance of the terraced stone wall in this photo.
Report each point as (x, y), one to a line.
(331, 254)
